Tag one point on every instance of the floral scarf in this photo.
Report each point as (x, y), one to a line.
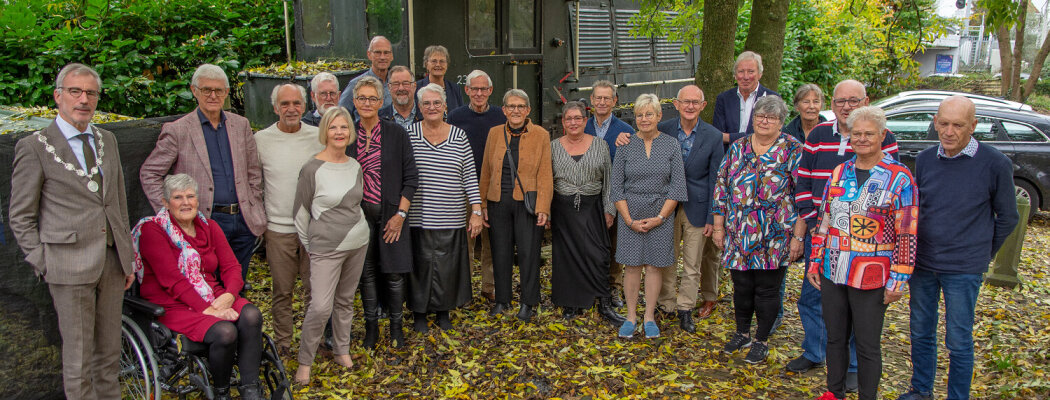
(189, 258)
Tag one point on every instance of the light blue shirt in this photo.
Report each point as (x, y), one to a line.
(601, 129)
(686, 140)
(71, 132)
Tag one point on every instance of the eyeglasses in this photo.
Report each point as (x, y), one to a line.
(478, 89)
(76, 92)
(515, 107)
(694, 103)
(601, 99)
(578, 118)
(431, 104)
(401, 84)
(327, 95)
(368, 100)
(763, 118)
(217, 92)
(647, 115)
(852, 101)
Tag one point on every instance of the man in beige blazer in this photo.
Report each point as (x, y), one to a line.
(217, 149)
(69, 216)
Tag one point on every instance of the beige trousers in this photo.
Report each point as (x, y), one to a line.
(288, 260)
(333, 281)
(700, 267)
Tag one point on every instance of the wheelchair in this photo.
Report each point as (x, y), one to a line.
(155, 360)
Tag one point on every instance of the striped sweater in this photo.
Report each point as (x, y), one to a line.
(825, 149)
(447, 180)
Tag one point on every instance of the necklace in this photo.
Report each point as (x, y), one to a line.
(90, 174)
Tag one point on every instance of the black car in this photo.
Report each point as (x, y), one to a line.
(1023, 136)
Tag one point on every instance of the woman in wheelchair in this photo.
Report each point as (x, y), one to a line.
(184, 264)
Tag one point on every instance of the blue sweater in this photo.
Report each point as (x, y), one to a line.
(967, 209)
(616, 126)
(477, 127)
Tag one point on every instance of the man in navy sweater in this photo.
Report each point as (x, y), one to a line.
(966, 210)
(606, 126)
(476, 118)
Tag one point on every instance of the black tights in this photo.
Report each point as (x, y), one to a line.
(757, 293)
(226, 339)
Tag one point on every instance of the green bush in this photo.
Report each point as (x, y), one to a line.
(145, 51)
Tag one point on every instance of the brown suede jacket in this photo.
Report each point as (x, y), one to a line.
(534, 166)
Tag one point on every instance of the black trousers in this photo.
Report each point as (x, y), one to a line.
(513, 228)
(375, 283)
(858, 312)
(756, 293)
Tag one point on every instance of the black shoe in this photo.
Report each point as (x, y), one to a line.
(605, 309)
(526, 312)
(498, 308)
(758, 353)
(222, 393)
(444, 321)
(802, 364)
(397, 333)
(685, 320)
(913, 394)
(371, 334)
(419, 322)
(250, 392)
(776, 325)
(851, 382)
(570, 313)
(616, 298)
(739, 341)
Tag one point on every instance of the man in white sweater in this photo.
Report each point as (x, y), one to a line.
(283, 149)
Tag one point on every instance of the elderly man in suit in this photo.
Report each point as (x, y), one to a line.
(733, 106)
(702, 152)
(217, 149)
(69, 215)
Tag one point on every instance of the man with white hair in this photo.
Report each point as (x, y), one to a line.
(733, 106)
(284, 148)
(216, 148)
(381, 54)
(324, 91)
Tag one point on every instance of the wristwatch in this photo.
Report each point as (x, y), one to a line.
(799, 238)
(661, 217)
(476, 212)
(402, 213)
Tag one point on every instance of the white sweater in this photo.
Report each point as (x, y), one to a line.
(283, 155)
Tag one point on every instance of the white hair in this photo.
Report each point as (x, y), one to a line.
(323, 77)
(177, 183)
(432, 88)
(209, 71)
(867, 113)
(749, 55)
(76, 69)
(647, 101)
(476, 74)
(516, 93)
(277, 89)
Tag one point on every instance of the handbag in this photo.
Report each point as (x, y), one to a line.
(530, 196)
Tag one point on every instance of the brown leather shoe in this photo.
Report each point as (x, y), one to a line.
(488, 295)
(706, 309)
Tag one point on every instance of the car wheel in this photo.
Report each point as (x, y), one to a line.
(1026, 190)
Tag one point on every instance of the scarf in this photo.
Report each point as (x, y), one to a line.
(189, 259)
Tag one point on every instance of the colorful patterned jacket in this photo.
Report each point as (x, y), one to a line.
(866, 234)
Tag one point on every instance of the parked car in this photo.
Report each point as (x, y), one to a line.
(912, 97)
(1022, 136)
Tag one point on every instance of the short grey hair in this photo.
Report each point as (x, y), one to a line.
(748, 55)
(476, 74)
(177, 183)
(76, 69)
(323, 77)
(805, 90)
(867, 113)
(277, 89)
(397, 69)
(771, 105)
(603, 83)
(575, 105)
(432, 88)
(647, 101)
(437, 48)
(516, 93)
(209, 71)
(369, 81)
(376, 39)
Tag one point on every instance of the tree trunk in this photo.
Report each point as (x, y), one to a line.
(714, 70)
(1015, 81)
(766, 37)
(1037, 68)
(1002, 35)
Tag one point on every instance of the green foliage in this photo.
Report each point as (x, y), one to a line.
(145, 51)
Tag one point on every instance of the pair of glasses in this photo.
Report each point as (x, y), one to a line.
(327, 95)
(647, 115)
(431, 104)
(852, 101)
(766, 118)
(601, 99)
(478, 89)
(76, 92)
(401, 84)
(217, 92)
(694, 103)
(368, 100)
(577, 118)
(515, 107)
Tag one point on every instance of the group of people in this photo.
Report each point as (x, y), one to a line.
(393, 185)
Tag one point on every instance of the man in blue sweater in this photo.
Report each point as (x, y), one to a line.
(606, 126)
(966, 210)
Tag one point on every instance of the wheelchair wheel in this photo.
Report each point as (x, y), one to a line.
(274, 380)
(138, 366)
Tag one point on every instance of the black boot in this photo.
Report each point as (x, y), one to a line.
(222, 393)
(395, 304)
(616, 298)
(443, 320)
(419, 322)
(526, 312)
(498, 308)
(605, 308)
(570, 313)
(685, 320)
(371, 334)
(397, 333)
(250, 392)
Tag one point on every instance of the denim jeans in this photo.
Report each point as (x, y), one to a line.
(241, 240)
(960, 298)
(815, 338)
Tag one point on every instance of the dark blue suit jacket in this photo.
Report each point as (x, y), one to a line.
(727, 113)
(701, 169)
(616, 126)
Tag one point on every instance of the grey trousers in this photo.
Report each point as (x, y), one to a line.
(333, 281)
(89, 322)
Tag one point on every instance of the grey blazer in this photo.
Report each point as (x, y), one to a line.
(60, 224)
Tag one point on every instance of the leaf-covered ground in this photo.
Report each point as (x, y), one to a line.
(501, 357)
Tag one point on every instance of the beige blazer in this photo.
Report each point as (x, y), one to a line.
(60, 224)
(181, 149)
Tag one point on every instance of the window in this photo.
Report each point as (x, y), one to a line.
(986, 130)
(482, 25)
(1022, 133)
(915, 126)
(317, 22)
(502, 26)
(384, 18)
(522, 24)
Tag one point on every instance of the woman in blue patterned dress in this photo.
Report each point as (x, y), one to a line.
(756, 223)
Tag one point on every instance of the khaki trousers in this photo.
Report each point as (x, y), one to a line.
(487, 283)
(89, 322)
(700, 267)
(288, 260)
(333, 281)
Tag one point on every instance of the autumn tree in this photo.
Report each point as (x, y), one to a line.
(1005, 17)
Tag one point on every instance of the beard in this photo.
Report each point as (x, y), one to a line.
(403, 100)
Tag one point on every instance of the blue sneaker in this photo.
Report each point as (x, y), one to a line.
(651, 330)
(627, 329)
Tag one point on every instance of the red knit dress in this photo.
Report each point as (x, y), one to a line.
(163, 284)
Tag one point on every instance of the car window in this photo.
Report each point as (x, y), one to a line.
(986, 130)
(1022, 133)
(911, 126)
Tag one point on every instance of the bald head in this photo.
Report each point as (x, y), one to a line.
(691, 90)
(850, 85)
(958, 103)
(955, 122)
(848, 96)
(689, 103)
